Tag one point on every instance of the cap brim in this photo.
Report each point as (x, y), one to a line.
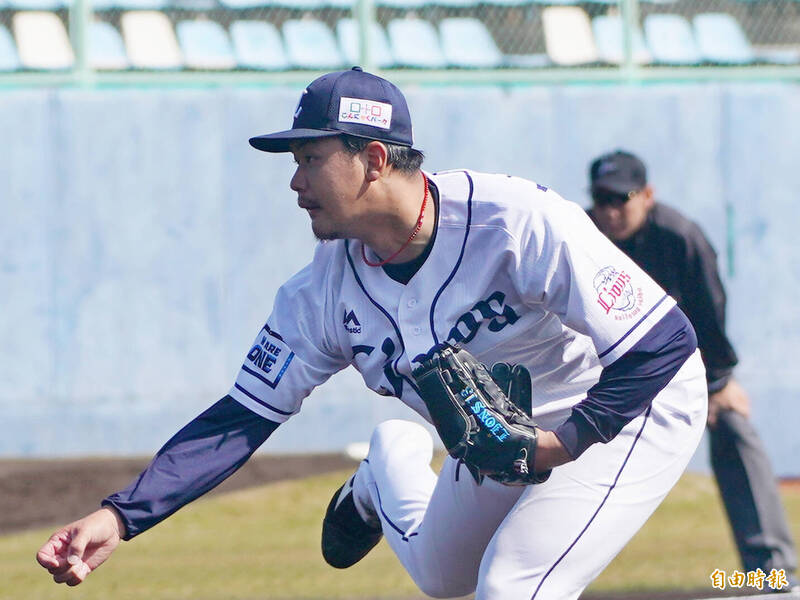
(279, 142)
(614, 186)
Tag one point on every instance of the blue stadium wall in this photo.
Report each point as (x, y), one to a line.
(142, 241)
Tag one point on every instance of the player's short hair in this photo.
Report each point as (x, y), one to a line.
(403, 158)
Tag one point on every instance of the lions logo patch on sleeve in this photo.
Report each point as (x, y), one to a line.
(616, 293)
(268, 358)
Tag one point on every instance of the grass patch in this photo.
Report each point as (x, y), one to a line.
(685, 540)
(263, 543)
(254, 544)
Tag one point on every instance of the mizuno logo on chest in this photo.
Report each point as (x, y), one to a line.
(351, 323)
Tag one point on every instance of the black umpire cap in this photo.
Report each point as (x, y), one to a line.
(619, 172)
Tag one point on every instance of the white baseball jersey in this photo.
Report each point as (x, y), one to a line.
(516, 273)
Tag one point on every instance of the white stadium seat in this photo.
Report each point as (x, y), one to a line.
(150, 40)
(568, 36)
(42, 41)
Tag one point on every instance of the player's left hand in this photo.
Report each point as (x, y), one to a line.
(79, 548)
(731, 397)
(479, 417)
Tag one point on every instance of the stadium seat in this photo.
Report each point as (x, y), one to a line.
(467, 43)
(778, 54)
(670, 39)
(402, 4)
(528, 61)
(339, 4)
(347, 33)
(568, 35)
(258, 45)
(106, 48)
(297, 4)
(36, 4)
(415, 43)
(310, 44)
(205, 45)
(104, 5)
(720, 39)
(244, 4)
(42, 41)
(9, 61)
(512, 3)
(455, 3)
(193, 5)
(150, 40)
(610, 41)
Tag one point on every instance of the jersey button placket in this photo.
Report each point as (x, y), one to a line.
(411, 320)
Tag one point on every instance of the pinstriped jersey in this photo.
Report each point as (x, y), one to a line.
(516, 274)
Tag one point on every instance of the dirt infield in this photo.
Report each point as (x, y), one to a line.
(36, 493)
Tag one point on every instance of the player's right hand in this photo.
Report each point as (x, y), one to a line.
(79, 548)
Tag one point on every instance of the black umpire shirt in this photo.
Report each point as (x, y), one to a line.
(675, 252)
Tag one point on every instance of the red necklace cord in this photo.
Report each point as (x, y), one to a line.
(411, 237)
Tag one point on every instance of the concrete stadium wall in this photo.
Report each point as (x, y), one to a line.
(142, 240)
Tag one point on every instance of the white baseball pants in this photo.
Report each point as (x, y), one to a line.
(540, 542)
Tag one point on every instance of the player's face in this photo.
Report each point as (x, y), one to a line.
(329, 182)
(619, 216)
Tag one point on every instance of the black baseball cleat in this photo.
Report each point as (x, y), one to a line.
(346, 537)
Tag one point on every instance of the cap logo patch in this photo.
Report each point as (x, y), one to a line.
(299, 107)
(365, 112)
(606, 168)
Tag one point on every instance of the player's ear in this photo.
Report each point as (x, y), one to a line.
(377, 157)
(649, 196)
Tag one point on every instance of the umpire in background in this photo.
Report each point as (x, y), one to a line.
(675, 252)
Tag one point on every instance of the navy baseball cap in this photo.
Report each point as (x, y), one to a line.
(619, 172)
(352, 102)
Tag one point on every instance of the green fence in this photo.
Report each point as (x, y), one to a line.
(164, 42)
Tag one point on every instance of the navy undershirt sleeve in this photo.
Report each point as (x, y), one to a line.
(628, 385)
(199, 457)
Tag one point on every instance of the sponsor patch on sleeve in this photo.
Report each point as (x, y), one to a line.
(617, 293)
(365, 112)
(269, 358)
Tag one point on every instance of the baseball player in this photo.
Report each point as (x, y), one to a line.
(677, 254)
(410, 260)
